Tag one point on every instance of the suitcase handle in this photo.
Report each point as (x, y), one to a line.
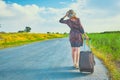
(89, 43)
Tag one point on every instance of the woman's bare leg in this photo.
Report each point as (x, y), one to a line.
(74, 55)
(77, 55)
(77, 50)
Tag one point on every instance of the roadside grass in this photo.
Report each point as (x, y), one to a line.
(16, 39)
(106, 46)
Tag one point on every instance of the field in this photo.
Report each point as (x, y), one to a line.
(106, 46)
(14, 39)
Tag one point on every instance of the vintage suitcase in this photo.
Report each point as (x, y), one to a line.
(86, 61)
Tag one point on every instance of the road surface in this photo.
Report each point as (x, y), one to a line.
(47, 60)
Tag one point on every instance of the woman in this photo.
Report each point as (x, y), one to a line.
(75, 34)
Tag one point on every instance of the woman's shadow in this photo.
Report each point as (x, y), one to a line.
(64, 73)
(50, 73)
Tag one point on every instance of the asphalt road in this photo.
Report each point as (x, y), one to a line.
(47, 60)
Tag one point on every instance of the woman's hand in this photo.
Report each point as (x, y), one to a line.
(67, 13)
(86, 37)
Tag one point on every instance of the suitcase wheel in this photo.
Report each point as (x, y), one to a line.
(92, 70)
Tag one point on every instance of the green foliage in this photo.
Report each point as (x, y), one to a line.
(27, 29)
(57, 32)
(108, 43)
(65, 33)
(20, 31)
(48, 32)
(106, 46)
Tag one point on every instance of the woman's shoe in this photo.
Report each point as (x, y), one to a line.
(76, 66)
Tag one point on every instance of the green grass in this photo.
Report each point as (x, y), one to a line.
(108, 43)
(106, 46)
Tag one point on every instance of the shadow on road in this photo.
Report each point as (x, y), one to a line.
(67, 72)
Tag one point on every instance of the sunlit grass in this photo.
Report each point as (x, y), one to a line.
(107, 47)
(13, 39)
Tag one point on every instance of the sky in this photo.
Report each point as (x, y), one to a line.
(43, 15)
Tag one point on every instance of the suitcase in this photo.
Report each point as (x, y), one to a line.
(86, 61)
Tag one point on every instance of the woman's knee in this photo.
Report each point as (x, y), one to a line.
(78, 49)
(73, 49)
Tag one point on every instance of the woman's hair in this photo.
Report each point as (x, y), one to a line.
(71, 13)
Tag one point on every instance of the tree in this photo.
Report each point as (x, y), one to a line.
(20, 31)
(65, 33)
(27, 29)
(48, 32)
(57, 32)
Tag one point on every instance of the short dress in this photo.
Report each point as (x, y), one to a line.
(75, 35)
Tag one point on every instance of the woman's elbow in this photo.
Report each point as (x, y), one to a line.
(60, 21)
